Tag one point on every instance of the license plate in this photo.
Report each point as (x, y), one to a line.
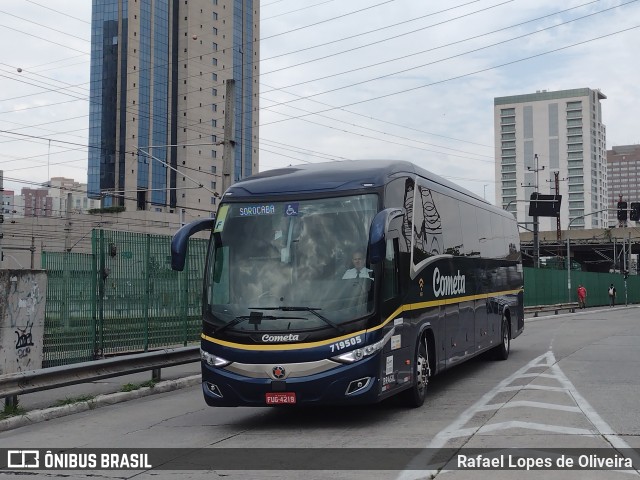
(280, 398)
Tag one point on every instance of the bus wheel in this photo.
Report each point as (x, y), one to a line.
(502, 350)
(415, 396)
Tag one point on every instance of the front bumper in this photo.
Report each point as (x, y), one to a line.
(356, 383)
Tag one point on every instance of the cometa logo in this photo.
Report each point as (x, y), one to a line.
(447, 285)
(290, 337)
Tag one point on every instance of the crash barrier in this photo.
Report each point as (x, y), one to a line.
(551, 308)
(30, 381)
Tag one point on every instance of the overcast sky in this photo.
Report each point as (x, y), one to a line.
(357, 79)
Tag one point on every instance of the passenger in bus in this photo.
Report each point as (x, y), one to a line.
(358, 270)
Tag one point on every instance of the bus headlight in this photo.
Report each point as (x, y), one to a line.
(350, 357)
(360, 353)
(213, 360)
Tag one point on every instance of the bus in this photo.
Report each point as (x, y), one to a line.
(283, 323)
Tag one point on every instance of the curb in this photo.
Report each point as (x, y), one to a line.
(102, 400)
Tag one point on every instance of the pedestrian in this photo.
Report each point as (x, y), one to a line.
(582, 297)
(612, 296)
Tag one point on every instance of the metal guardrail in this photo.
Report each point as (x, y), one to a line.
(56, 377)
(551, 308)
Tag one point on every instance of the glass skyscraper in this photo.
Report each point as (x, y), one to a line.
(158, 73)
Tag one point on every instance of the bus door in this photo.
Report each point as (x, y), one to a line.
(482, 308)
(397, 360)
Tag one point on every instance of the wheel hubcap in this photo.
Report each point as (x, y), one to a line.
(423, 369)
(505, 337)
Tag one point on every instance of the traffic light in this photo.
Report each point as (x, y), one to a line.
(635, 211)
(622, 211)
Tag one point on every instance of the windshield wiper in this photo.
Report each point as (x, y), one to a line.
(255, 318)
(312, 310)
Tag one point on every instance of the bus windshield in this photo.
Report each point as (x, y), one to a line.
(297, 265)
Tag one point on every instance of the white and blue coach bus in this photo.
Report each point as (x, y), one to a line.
(283, 323)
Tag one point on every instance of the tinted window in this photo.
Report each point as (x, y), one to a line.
(451, 226)
(484, 233)
(469, 230)
(498, 239)
(407, 224)
(512, 238)
(427, 225)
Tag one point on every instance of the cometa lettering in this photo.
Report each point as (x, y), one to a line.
(290, 337)
(447, 284)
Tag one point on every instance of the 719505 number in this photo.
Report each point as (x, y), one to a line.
(342, 344)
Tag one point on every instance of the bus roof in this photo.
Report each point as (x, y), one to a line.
(335, 176)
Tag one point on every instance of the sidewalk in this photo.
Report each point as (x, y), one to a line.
(58, 402)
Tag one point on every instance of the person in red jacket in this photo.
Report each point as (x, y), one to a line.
(582, 296)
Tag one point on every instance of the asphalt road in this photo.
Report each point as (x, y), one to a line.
(571, 382)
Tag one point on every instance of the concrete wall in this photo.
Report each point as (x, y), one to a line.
(55, 234)
(22, 303)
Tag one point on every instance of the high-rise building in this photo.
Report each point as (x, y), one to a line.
(539, 134)
(159, 75)
(623, 172)
(37, 202)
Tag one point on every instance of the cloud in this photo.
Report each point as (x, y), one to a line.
(398, 79)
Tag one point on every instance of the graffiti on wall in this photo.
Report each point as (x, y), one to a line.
(24, 344)
(24, 299)
(23, 325)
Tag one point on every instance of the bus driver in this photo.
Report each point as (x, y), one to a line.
(358, 270)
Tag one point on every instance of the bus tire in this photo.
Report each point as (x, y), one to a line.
(415, 396)
(501, 352)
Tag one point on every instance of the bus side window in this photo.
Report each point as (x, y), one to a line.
(499, 242)
(485, 235)
(390, 287)
(468, 217)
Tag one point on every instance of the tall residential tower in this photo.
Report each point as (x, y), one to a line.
(623, 170)
(539, 134)
(159, 74)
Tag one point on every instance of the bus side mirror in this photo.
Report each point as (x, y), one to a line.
(378, 233)
(180, 241)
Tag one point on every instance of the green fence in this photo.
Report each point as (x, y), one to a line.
(121, 298)
(544, 286)
(124, 297)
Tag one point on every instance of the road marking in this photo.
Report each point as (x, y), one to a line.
(529, 403)
(456, 428)
(543, 427)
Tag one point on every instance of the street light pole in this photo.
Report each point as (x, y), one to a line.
(569, 246)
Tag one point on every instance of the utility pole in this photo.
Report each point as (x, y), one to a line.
(229, 135)
(626, 273)
(536, 225)
(556, 179)
(67, 227)
(33, 252)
